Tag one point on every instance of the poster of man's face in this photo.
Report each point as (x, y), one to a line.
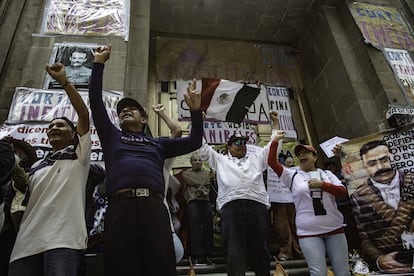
(77, 59)
(374, 156)
(379, 170)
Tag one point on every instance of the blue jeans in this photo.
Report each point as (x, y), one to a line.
(54, 262)
(315, 250)
(244, 234)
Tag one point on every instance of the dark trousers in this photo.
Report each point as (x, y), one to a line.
(284, 223)
(138, 238)
(200, 219)
(244, 234)
(54, 262)
(351, 230)
(7, 238)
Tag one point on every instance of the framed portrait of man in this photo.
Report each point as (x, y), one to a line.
(77, 59)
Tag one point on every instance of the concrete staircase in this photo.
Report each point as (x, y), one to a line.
(298, 267)
(94, 267)
(292, 267)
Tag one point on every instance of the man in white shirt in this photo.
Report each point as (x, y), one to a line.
(52, 234)
(243, 203)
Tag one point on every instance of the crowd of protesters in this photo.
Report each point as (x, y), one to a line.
(55, 209)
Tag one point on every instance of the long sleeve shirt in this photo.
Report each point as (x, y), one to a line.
(238, 178)
(134, 159)
(307, 223)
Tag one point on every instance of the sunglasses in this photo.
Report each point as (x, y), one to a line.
(240, 142)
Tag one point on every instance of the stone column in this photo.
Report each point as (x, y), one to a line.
(137, 58)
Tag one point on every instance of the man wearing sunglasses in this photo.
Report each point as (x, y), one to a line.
(243, 203)
(383, 207)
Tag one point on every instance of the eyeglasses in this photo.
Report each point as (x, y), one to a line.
(240, 142)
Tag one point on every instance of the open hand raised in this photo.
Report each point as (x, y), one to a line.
(192, 96)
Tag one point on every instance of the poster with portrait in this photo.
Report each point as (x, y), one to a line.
(77, 59)
(379, 171)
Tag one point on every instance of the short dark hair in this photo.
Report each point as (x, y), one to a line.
(370, 145)
(130, 102)
(79, 50)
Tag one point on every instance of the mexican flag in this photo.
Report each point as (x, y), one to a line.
(227, 100)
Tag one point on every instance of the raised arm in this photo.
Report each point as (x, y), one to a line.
(274, 117)
(272, 157)
(183, 145)
(173, 125)
(99, 113)
(193, 97)
(57, 72)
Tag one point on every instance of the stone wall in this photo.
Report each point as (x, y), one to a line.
(348, 84)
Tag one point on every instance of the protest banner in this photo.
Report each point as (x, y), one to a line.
(220, 132)
(382, 26)
(37, 105)
(277, 191)
(32, 109)
(35, 135)
(403, 67)
(278, 98)
(379, 170)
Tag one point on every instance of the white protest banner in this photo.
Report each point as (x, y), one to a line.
(403, 66)
(32, 109)
(278, 191)
(38, 105)
(35, 135)
(258, 112)
(279, 101)
(220, 132)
